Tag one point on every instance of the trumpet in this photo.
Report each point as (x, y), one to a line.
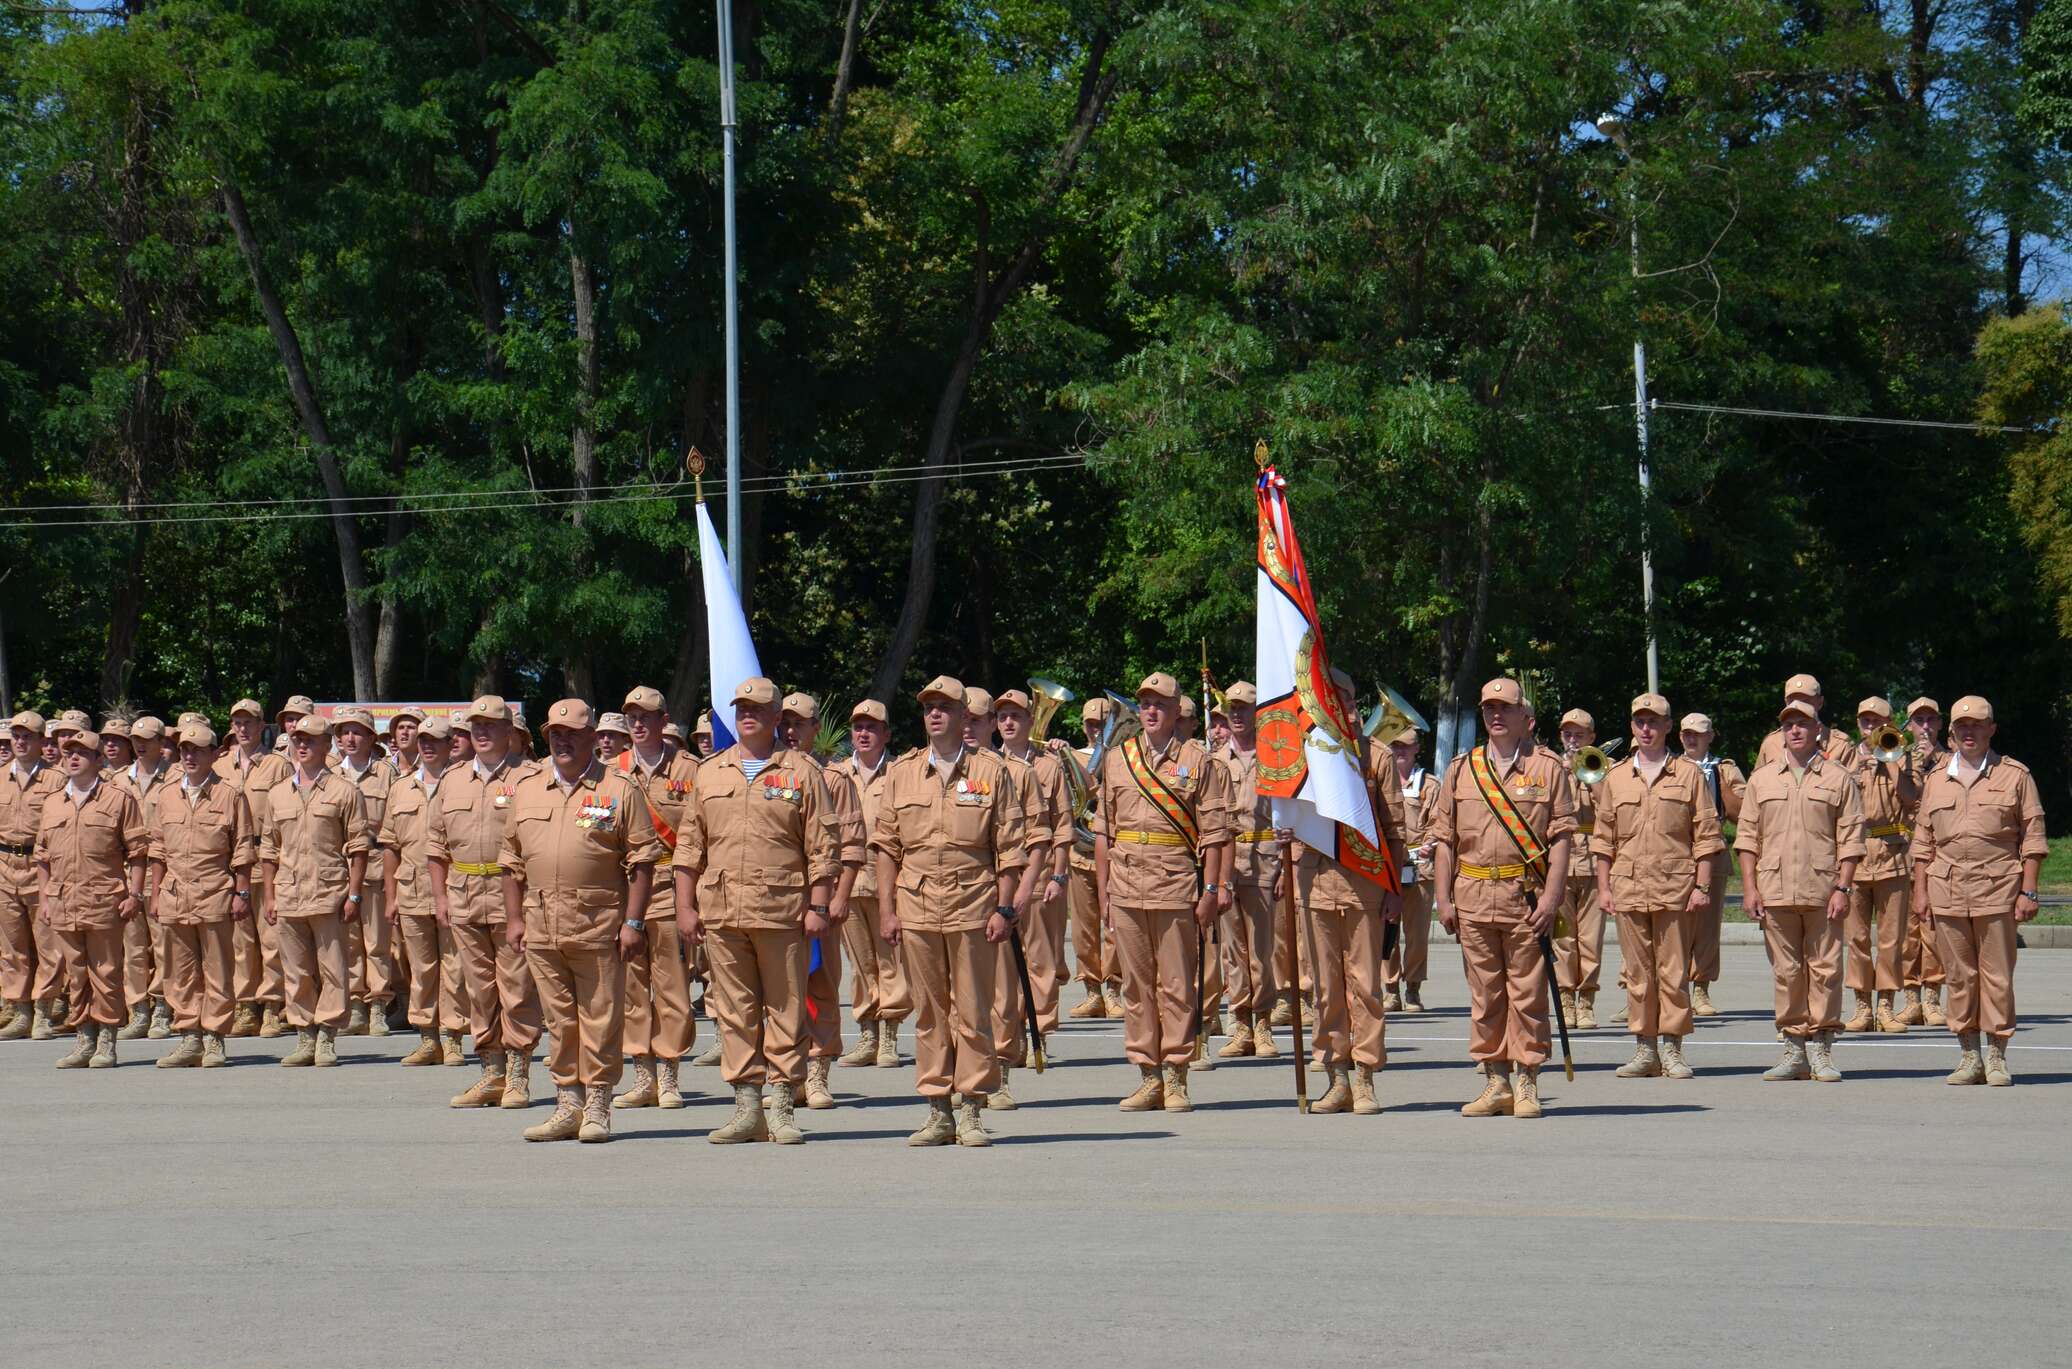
(1050, 697)
(1590, 765)
(1887, 744)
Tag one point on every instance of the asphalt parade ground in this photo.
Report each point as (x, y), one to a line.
(259, 1216)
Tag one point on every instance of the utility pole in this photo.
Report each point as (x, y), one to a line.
(733, 302)
(1612, 127)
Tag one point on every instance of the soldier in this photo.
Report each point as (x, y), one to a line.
(139, 972)
(659, 1027)
(463, 858)
(1890, 792)
(91, 848)
(204, 846)
(403, 726)
(1165, 815)
(1657, 833)
(29, 965)
(1010, 1015)
(1834, 745)
(613, 737)
(1040, 897)
(1579, 946)
(755, 868)
(1409, 964)
(1921, 969)
(1979, 847)
(1726, 783)
(1093, 949)
(255, 944)
(436, 996)
(701, 736)
(1501, 826)
(800, 725)
(1800, 838)
(579, 856)
(313, 842)
(150, 768)
(1256, 873)
(370, 959)
(878, 989)
(1347, 912)
(950, 850)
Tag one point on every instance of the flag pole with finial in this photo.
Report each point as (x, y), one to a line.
(1261, 458)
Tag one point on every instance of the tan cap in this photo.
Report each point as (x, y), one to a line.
(1876, 707)
(196, 734)
(1242, 692)
(1579, 718)
(189, 718)
(613, 722)
(352, 715)
(309, 725)
(647, 697)
(755, 690)
(115, 727)
(1096, 708)
(297, 703)
(1158, 682)
(943, 687)
(85, 739)
(802, 705)
(1503, 691)
(1804, 685)
(1014, 697)
(410, 712)
(704, 727)
(458, 719)
(571, 714)
(74, 719)
(1650, 703)
(1188, 707)
(673, 733)
(1924, 702)
(1408, 734)
(437, 727)
(148, 727)
(978, 702)
(1973, 707)
(1695, 722)
(490, 708)
(1797, 708)
(29, 719)
(251, 706)
(870, 708)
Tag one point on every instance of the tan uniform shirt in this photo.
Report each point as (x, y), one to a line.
(1801, 826)
(466, 829)
(952, 835)
(1728, 785)
(757, 846)
(1463, 822)
(574, 845)
(1579, 848)
(21, 813)
(202, 838)
(406, 829)
(1891, 792)
(1655, 833)
(1420, 798)
(1834, 745)
(667, 790)
(309, 833)
(1973, 838)
(1154, 875)
(374, 784)
(89, 848)
(870, 792)
(1257, 861)
(255, 776)
(1043, 805)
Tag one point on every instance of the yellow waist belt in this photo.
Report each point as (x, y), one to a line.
(1491, 871)
(469, 867)
(1266, 835)
(1152, 838)
(1891, 829)
(1585, 829)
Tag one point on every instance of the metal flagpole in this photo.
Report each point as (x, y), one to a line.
(1614, 128)
(733, 303)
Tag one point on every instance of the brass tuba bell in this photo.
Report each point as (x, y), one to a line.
(1050, 697)
(1887, 744)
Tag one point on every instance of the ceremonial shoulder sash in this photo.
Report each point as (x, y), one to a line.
(661, 824)
(1171, 806)
(1508, 817)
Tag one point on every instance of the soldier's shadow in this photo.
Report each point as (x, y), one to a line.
(1557, 1108)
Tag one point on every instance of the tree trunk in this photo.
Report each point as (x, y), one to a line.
(359, 617)
(687, 682)
(845, 72)
(141, 435)
(576, 663)
(125, 615)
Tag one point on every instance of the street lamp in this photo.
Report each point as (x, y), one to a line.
(1614, 129)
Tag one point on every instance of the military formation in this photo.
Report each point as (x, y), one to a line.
(444, 878)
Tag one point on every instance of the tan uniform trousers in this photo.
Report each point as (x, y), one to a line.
(197, 975)
(1705, 932)
(93, 959)
(877, 976)
(52, 974)
(371, 973)
(1042, 930)
(18, 944)
(1411, 960)
(1579, 955)
(824, 998)
(1978, 953)
(1922, 962)
(1885, 902)
(1806, 963)
(1092, 955)
(256, 961)
(139, 963)
(1009, 1020)
(1347, 945)
(950, 975)
(1507, 992)
(1158, 950)
(1657, 970)
(582, 993)
(438, 997)
(1247, 958)
(758, 1001)
(1212, 974)
(658, 995)
(1284, 955)
(313, 971)
(503, 1003)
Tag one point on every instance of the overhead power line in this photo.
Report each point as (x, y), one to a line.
(1741, 412)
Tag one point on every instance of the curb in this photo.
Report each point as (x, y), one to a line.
(1748, 934)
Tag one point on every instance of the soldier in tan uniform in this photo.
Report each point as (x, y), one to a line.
(1800, 838)
(437, 1000)
(1726, 783)
(799, 722)
(659, 1028)
(1150, 854)
(878, 989)
(370, 959)
(1041, 926)
(579, 855)
(29, 964)
(1834, 745)
(1657, 834)
(463, 856)
(1879, 912)
(701, 736)
(150, 767)
(950, 851)
(1500, 905)
(403, 726)
(91, 847)
(1979, 846)
(1093, 950)
(1921, 969)
(255, 944)
(1579, 944)
(1409, 964)
(1009, 1030)
(204, 847)
(1256, 873)
(755, 868)
(613, 737)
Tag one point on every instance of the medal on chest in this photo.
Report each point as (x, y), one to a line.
(594, 811)
(972, 793)
(502, 797)
(782, 788)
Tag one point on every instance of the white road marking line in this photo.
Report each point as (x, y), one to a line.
(1623, 1042)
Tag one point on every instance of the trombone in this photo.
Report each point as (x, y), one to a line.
(1591, 764)
(1887, 744)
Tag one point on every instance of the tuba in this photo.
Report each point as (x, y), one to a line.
(1887, 744)
(1123, 723)
(1590, 765)
(1050, 697)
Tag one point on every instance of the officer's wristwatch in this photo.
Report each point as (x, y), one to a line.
(2029, 894)
(1845, 888)
(638, 924)
(353, 899)
(1006, 911)
(820, 908)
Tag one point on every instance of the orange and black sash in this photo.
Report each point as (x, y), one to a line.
(1508, 817)
(1174, 809)
(662, 827)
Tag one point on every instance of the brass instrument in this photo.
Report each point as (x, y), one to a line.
(1392, 715)
(1050, 697)
(1887, 744)
(1123, 723)
(1590, 765)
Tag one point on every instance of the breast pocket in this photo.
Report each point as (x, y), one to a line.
(971, 823)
